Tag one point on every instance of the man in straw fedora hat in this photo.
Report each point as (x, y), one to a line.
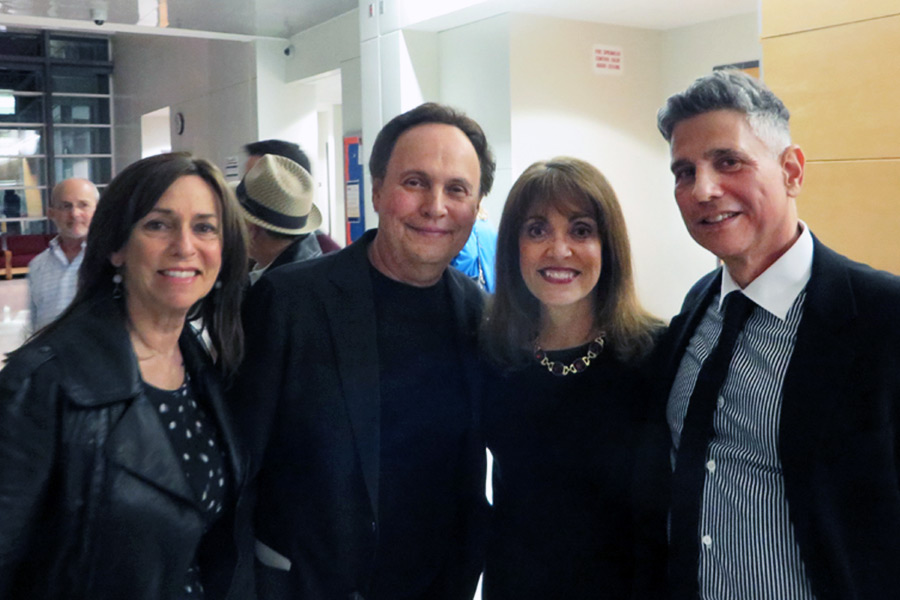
(358, 399)
(276, 195)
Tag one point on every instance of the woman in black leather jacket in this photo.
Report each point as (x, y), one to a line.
(119, 473)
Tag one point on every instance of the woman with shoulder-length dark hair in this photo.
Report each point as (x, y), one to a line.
(120, 475)
(567, 334)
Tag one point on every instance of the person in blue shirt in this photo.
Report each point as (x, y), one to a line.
(476, 259)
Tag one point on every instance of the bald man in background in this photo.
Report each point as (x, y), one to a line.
(53, 274)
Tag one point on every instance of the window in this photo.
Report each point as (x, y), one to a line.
(55, 120)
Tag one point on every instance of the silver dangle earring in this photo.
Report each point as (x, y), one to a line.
(218, 284)
(117, 286)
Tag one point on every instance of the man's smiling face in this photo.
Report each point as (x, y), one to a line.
(735, 193)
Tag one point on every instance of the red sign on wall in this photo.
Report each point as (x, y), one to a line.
(608, 60)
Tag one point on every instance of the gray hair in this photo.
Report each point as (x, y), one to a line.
(730, 90)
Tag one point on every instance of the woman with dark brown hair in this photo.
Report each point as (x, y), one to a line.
(120, 473)
(567, 333)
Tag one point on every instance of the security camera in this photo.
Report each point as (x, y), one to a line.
(289, 50)
(98, 15)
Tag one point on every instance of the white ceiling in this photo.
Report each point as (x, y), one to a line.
(284, 18)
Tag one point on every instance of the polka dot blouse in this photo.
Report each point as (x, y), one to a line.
(194, 438)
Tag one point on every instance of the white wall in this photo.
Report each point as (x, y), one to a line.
(332, 47)
(211, 82)
(286, 108)
(560, 106)
(691, 52)
(421, 64)
(351, 95)
(156, 134)
(324, 47)
(474, 77)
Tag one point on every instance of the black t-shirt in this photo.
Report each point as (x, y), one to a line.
(425, 416)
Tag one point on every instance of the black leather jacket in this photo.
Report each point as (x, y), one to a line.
(93, 500)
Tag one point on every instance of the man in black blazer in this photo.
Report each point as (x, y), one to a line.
(798, 492)
(359, 395)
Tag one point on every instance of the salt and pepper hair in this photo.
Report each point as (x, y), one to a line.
(431, 112)
(130, 196)
(730, 90)
(512, 318)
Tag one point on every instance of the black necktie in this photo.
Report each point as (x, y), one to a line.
(690, 473)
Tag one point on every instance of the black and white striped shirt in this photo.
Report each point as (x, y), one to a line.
(747, 543)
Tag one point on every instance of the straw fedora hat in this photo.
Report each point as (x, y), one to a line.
(277, 194)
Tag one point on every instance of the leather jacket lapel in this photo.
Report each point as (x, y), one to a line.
(138, 444)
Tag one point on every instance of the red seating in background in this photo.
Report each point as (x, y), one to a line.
(327, 244)
(20, 249)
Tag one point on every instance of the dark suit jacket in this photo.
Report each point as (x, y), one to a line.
(839, 441)
(301, 249)
(311, 246)
(308, 403)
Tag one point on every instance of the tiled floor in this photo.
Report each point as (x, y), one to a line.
(14, 315)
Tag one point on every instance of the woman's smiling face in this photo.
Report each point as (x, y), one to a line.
(173, 255)
(560, 255)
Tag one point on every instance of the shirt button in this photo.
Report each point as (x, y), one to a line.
(720, 402)
(711, 466)
(707, 541)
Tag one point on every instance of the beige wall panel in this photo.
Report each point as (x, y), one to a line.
(789, 16)
(842, 88)
(852, 207)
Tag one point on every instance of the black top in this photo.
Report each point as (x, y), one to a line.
(563, 453)
(424, 419)
(195, 441)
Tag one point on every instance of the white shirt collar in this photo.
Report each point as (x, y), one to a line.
(255, 274)
(55, 242)
(777, 287)
(57, 250)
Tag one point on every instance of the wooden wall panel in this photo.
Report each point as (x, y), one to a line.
(854, 207)
(842, 86)
(835, 64)
(790, 16)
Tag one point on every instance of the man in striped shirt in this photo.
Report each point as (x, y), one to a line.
(795, 491)
(53, 274)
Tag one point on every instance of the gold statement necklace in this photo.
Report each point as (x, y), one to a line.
(576, 366)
